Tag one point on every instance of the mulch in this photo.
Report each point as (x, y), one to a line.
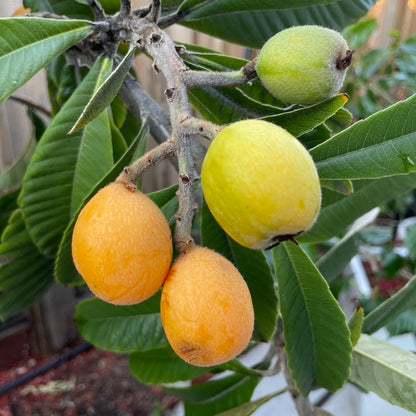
(93, 383)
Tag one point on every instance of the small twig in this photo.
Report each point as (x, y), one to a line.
(196, 79)
(155, 11)
(125, 8)
(35, 106)
(98, 9)
(131, 174)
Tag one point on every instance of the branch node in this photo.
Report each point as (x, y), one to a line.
(170, 93)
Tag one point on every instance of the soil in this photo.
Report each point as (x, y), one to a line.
(93, 383)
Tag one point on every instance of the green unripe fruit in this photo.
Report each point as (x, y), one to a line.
(304, 64)
(260, 184)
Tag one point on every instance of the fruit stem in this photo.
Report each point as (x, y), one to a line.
(197, 79)
(131, 174)
(167, 61)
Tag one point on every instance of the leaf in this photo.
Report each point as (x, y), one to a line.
(161, 366)
(11, 179)
(386, 370)
(34, 40)
(216, 396)
(356, 324)
(405, 323)
(304, 120)
(65, 271)
(8, 204)
(219, 7)
(249, 408)
(121, 328)
(64, 168)
(167, 200)
(335, 260)
(339, 211)
(104, 94)
(24, 273)
(253, 265)
(316, 333)
(253, 28)
(391, 308)
(68, 8)
(381, 145)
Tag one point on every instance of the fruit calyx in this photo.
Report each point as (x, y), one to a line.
(345, 61)
(276, 240)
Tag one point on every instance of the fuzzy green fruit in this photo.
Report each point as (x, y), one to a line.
(260, 184)
(304, 64)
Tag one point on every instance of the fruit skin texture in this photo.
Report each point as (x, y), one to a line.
(260, 183)
(206, 308)
(122, 245)
(304, 64)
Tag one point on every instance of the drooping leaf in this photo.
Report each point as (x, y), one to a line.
(335, 260)
(254, 28)
(122, 328)
(25, 273)
(391, 308)
(104, 94)
(34, 40)
(11, 179)
(253, 265)
(161, 366)
(382, 145)
(63, 169)
(339, 211)
(65, 271)
(386, 370)
(216, 396)
(317, 337)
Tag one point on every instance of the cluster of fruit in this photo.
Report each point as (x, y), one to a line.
(260, 184)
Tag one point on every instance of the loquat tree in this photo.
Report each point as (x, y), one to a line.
(247, 247)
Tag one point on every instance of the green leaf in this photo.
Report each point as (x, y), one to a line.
(253, 265)
(253, 28)
(339, 211)
(386, 370)
(121, 328)
(381, 145)
(335, 260)
(216, 396)
(160, 366)
(63, 169)
(316, 333)
(359, 33)
(105, 93)
(36, 41)
(355, 324)
(68, 8)
(65, 271)
(304, 120)
(405, 323)
(167, 200)
(219, 7)
(8, 204)
(11, 178)
(24, 273)
(391, 308)
(249, 408)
